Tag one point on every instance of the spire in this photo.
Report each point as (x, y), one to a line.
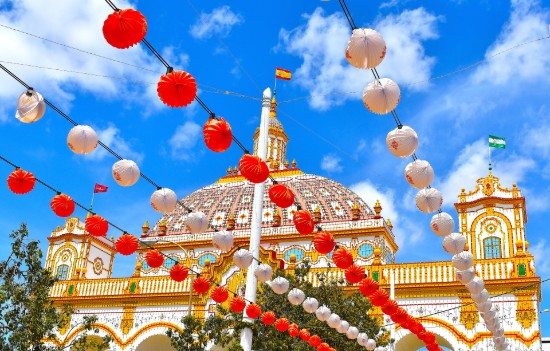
(273, 111)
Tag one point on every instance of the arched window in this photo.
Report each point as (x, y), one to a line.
(62, 272)
(491, 246)
(365, 250)
(209, 257)
(299, 254)
(170, 262)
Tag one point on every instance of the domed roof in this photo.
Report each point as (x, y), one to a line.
(232, 195)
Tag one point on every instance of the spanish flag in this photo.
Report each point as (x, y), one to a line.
(283, 74)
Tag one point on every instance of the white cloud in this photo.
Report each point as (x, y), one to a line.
(184, 139)
(218, 22)
(111, 137)
(331, 163)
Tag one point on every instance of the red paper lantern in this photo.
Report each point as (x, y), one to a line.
(268, 318)
(62, 205)
(304, 334)
(342, 258)
(390, 307)
(253, 311)
(399, 316)
(314, 341)
(323, 347)
(293, 330)
(127, 244)
(179, 272)
(429, 338)
(281, 196)
(282, 324)
(219, 294)
(368, 286)
(21, 182)
(97, 225)
(237, 304)
(409, 322)
(201, 285)
(432, 346)
(177, 88)
(253, 168)
(354, 273)
(217, 134)
(154, 258)
(379, 297)
(416, 328)
(323, 242)
(124, 28)
(303, 222)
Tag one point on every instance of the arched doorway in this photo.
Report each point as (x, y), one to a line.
(410, 342)
(159, 342)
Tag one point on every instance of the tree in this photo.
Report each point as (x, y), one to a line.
(352, 307)
(28, 316)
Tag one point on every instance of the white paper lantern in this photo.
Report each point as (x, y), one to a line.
(366, 48)
(371, 344)
(504, 347)
(164, 200)
(82, 139)
(362, 339)
(476, 285)
(30, 107)
(419, 174)
(310, 305)
(263, 272)
(242, 258)
(499, 341)
(196, 222)
(462, 261)
(352, 333)
(442, 224)
(279, 285)
(402, 142)
(333, 321)
(483, 296)
(224, 240)
(296, 297)
(323, 313)
(491, 324)
(454, 243)
(125, 172)
(465, 276)
(381, 96)
(429, 200)
(484, 306)
(343, 327)
(489, 315)
(499, 332)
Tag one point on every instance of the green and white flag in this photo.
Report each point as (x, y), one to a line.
(497, 142)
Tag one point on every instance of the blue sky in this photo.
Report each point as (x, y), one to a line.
(236, 47)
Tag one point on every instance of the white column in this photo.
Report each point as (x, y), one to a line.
(256, 230)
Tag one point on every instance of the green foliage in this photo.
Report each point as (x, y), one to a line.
(196, 334)
(27, 315)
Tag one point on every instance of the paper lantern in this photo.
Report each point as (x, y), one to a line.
(253, 311)
(352, 333)
(499, 332)
(314, 340)
(454, 243)
(124, 28)
(366, 48)
(354, 273)
(96, 225)
(237, 304)
(429, 338)
(432, 346)
(263, 272)
(219, 294)
(279, 285)
(281, 196)
(442, 224)
(30, 107)
(217, 134)
(333, 320)
(201, 285)
(82, 139)
(419, 174)
(476, 285)
(409, 322)
(282, 324)
(303, 222)
(268, 318)
(253, 168)
(62, 205)
(154, 258)
(379, 297)
(484, 306)
(126, 172)
(368, 286)
(498, 340)
(489, 315)
(362, 339)
(390, 307)
(323, 242)
(177, 88)
(465, 276)
(296, 296)
(342, 258)
(243, 258)
(223, 240)
(402, 142)
(399, 316)
(323, 313)
(462, 261)
(21, 182)
(323, 347)
(381, 96)
(310, 305)
(343, 327)
(483, 296)
(293, 330)
(370, 345)
(179, 272)
(164, 200)
(304, 334)
(196, 222)
(127, 244)
(429, 200)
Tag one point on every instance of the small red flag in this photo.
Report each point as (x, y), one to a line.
(100, 188)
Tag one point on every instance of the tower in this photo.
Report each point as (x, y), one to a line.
(277, 140)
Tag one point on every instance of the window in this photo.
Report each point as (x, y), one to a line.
(62, 272)
(169, 262)
(492, 247)
(209, 257)
(145, 265)
(365, 250)
(389, 257)
(299, 254)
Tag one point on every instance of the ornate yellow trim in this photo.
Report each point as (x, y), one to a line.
(127, 319)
